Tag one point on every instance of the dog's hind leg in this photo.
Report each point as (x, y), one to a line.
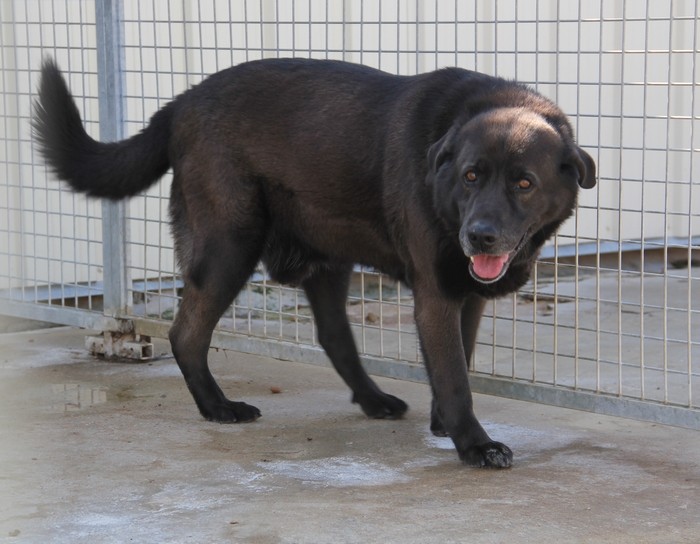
(203, 303)
(327, 291)
(217, 256)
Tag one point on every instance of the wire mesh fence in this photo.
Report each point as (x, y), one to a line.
(609, 321)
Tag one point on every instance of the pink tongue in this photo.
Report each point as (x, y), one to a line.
(489, 266)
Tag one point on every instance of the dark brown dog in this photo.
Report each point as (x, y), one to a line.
(448, 181)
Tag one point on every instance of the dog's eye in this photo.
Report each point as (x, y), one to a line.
(470, 176)
(524, 184)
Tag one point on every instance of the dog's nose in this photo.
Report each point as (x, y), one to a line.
(482, 235)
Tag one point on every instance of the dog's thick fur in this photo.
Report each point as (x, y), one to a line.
(449, 181)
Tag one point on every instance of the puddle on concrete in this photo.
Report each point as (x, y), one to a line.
(72, 397)
(337, 472)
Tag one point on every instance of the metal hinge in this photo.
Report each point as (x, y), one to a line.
(127, 345)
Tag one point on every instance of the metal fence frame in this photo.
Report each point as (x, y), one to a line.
(117, 290)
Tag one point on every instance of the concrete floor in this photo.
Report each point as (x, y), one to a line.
(95, 451)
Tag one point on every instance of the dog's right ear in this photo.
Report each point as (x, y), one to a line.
(440, 155)
(585, 166)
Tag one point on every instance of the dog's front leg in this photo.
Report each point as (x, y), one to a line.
(472, 309)
(439, 321)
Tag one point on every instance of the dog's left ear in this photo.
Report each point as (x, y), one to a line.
(585, 167)
(439, 154)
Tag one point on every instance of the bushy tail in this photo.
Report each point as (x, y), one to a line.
(107, 170)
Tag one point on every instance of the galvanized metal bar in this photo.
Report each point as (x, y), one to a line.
(692, 135)
(74, 317)
(117, 297)
(598, 403)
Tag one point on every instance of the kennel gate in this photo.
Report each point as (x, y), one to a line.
(611, 319)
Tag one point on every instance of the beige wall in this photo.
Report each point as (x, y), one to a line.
(623, 74)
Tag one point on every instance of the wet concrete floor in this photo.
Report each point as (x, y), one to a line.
(96, 451)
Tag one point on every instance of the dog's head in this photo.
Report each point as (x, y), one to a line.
(504, 181)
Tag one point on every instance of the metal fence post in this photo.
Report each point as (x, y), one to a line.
(116, 294)
(110, 86)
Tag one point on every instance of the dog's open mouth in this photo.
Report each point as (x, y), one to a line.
(489, 268)
(486, 268)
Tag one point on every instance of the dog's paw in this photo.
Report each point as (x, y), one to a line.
(489, 454)
(439, 431)
(437, 427)
(381, 406)
(231, 412)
